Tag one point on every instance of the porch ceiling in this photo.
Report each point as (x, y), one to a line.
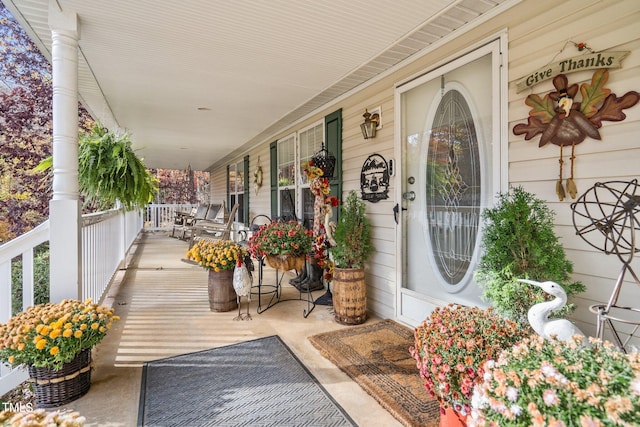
(197, 81)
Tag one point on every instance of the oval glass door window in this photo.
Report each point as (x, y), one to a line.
(453, 189)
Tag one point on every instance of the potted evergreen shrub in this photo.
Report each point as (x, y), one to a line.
(519, 243)
(352, 249)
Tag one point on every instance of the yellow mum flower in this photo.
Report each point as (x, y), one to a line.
(95, 326)
(83, 327)
(21, 346)
(77, 334)
(67, 333)
(41, 344)
(11, 359)
(45, 330)
(54, 350)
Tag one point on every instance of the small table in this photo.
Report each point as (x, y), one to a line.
(276, 292)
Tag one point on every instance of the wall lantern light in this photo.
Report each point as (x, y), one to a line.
(371, 122)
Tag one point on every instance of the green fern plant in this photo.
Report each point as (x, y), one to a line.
(353, 235)
(519, 242)
(109, 171)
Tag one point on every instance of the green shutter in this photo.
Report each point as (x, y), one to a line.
(273, 176)
(245, 203)
(333, 136)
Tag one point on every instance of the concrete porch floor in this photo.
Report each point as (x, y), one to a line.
(164, 310)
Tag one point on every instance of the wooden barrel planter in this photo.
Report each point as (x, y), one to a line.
(222, 296)
(349, 296)
(55, 388)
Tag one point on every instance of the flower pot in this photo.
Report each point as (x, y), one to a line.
(285, 262)
(222, 295)
(452, 418)
(55, 388)
(349, 296)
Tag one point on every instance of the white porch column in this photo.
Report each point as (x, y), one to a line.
(64, 207)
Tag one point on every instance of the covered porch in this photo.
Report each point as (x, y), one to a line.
(164, 311)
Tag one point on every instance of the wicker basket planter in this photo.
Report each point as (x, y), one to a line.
(56, 388)
(285, 262)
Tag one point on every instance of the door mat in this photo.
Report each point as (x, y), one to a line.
(253, 383)
(376, 356)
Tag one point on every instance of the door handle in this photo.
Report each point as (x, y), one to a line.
(396, 211)
(409, 195)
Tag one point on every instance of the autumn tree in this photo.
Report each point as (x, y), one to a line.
(182, 186)
(25, 128)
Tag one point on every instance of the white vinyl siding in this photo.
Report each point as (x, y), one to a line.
(536, 32)
(532, 45)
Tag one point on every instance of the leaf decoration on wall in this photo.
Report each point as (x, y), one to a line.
(594, 93)
(562, 120)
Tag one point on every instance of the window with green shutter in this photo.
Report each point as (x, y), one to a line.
(290, 194)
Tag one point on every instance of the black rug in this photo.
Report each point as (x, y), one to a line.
(254, 383)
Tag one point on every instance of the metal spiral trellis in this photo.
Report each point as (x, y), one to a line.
(607, 217)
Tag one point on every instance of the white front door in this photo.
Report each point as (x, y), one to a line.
(450, 171)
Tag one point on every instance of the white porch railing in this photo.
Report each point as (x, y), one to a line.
(106, 239)
(159, 217)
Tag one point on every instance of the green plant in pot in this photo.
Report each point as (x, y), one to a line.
(352, 249)
(519, 242)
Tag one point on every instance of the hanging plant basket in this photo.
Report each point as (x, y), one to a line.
(55, 388)
(285, 262)
(324, 160)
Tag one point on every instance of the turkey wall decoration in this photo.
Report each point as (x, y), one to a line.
(565, 121)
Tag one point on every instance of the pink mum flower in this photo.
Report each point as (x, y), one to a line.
(550, 397)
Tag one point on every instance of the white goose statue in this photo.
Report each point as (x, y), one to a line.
(538, 315)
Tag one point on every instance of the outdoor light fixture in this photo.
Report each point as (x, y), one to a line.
(370, 124)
